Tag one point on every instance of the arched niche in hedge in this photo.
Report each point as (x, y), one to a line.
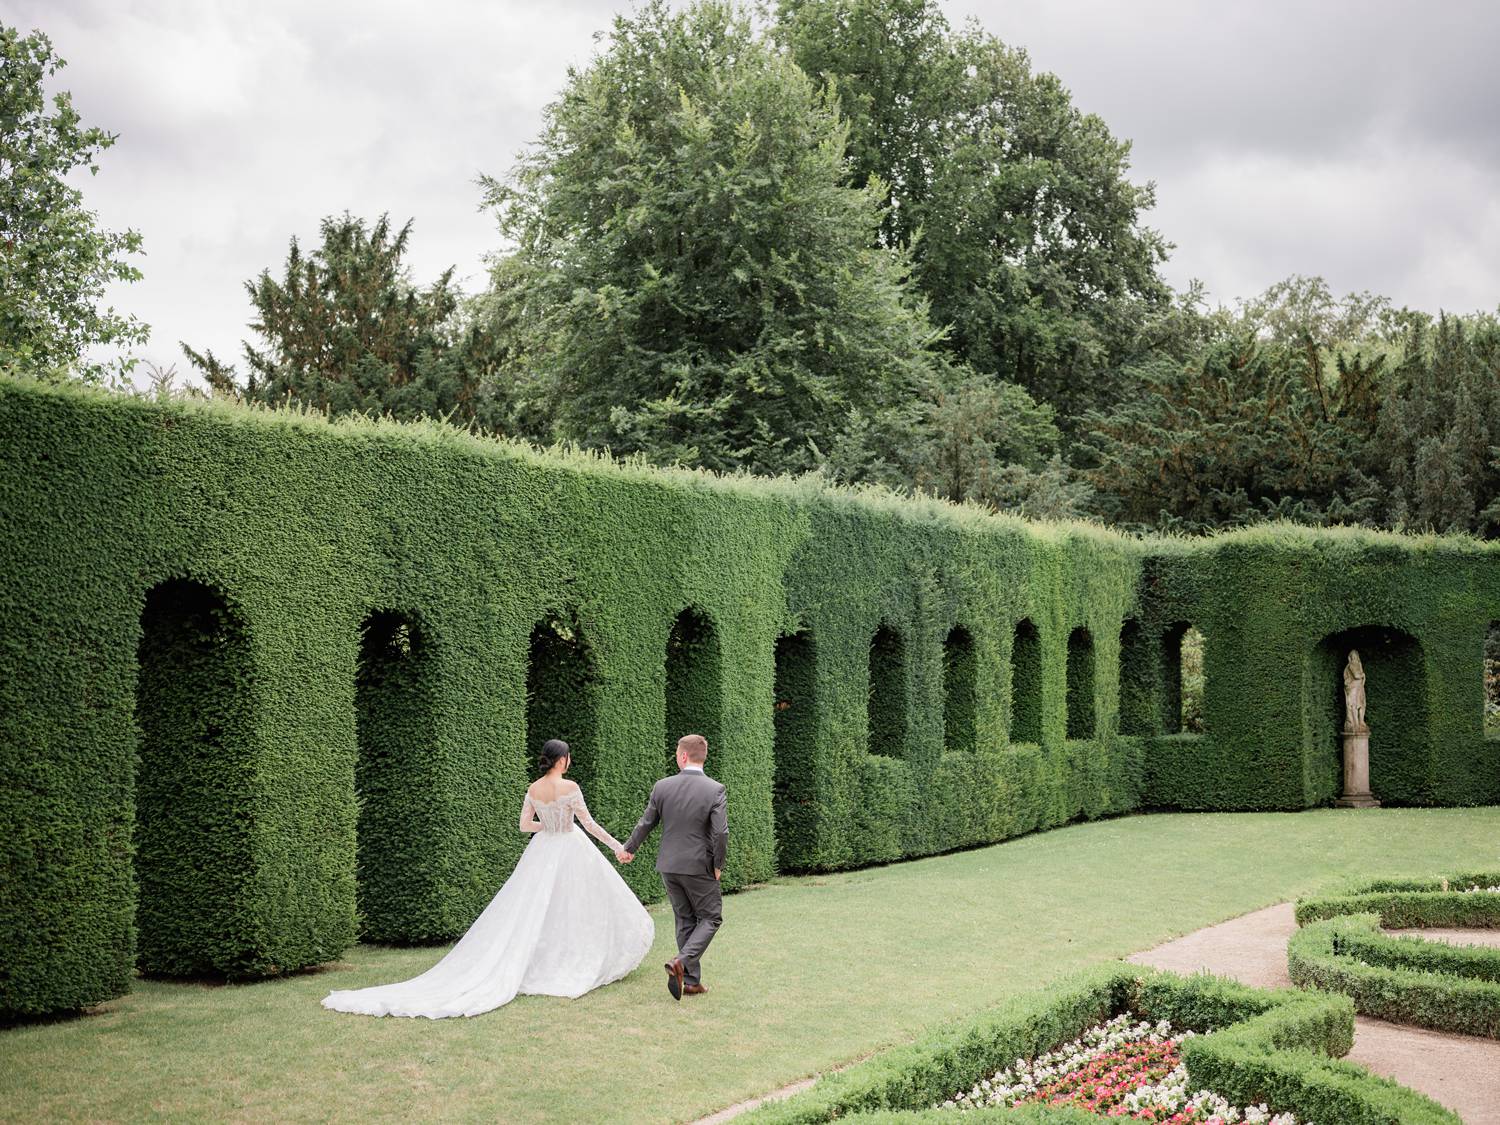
(1193, 678)
(1136, 680)
(960, 687)
(886, 697)
(562, 683)
(1026, 683)
(1490, 671)
(1081, 683)
(793, 786)
(695, 698)
(194, 783)
(1170, 700)
(1396, 709)
(393, 780)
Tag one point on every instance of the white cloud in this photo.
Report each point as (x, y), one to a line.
(1348, 139)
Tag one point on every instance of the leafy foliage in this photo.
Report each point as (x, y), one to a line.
(1026, 233)
(1250, 430)
(55, 261)
(346, 331)
(693, 279)
(1435, 445)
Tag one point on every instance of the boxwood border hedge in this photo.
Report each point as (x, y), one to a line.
(1412, 903)
(1401, 979)
(304, 535)
(1278, 1047)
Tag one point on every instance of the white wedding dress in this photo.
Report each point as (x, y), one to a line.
(563, 923)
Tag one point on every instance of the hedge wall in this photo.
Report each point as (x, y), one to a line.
(271, 683)
(1281, 1048)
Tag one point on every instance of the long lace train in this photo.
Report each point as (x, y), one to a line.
(564, 923)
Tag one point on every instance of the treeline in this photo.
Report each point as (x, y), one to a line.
(849, 238)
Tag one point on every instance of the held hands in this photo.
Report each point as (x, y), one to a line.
(623, 856)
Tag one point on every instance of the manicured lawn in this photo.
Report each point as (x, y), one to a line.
(807, 973)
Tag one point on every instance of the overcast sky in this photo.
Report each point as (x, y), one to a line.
(1357, 140)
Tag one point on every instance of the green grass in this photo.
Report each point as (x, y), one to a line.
(806, 974)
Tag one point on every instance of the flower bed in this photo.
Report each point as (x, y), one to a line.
(1280, 1048)
(1126, 1068)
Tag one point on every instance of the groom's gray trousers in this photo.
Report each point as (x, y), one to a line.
(698, 906)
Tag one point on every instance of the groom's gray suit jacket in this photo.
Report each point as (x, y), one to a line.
(693, 811)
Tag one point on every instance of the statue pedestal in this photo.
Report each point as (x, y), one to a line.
(1356, 794)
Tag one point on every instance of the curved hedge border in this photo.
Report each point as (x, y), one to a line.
(395, 601)
(1276, 1047)
(1412, 903)
(1402, 979)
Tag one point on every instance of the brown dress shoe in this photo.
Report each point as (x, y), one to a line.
(674, 978)
(693, 990)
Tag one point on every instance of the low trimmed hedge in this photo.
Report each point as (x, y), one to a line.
(1410, 903)
(1272, 1047)
(1402, 979)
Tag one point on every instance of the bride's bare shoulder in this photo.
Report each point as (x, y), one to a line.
(543, 791)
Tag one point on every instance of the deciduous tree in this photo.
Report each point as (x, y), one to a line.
(55, 259)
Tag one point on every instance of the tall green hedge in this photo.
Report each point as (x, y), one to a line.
(296, 673)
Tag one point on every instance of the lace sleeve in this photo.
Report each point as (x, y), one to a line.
(581, 810)
(529, 822)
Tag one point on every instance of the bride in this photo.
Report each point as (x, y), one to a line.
(564, 922)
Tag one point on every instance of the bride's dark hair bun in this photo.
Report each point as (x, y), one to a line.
(554, 750)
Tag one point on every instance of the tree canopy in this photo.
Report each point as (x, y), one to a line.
(695, 277)
(55, 259)
(1027, 234)
(346, 330)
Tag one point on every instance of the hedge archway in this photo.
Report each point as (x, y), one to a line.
(793, 785)
(695, 701)
(1136, 680)
(960, 691)
(1081, 703)
(194, 781)
(886, 699)
(1396, 709)
(394, 782)
(1026, 683)
(562, 684)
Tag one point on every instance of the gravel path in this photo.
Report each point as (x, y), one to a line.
(1460, 1071)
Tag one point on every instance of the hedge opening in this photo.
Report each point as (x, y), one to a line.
(960, 672)
(393, 780)
(1080, 683)
(1192, 676)
(694, 681)
(886, 710)
(1490, 671)
(562, 696)
(1395, 708)
(193, 782)
(793, 786)
(1170, 716)
(1026, 683)
(1136, 680)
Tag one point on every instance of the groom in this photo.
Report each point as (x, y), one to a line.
(694, 838)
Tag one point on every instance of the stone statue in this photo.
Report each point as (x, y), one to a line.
(1354, 695)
